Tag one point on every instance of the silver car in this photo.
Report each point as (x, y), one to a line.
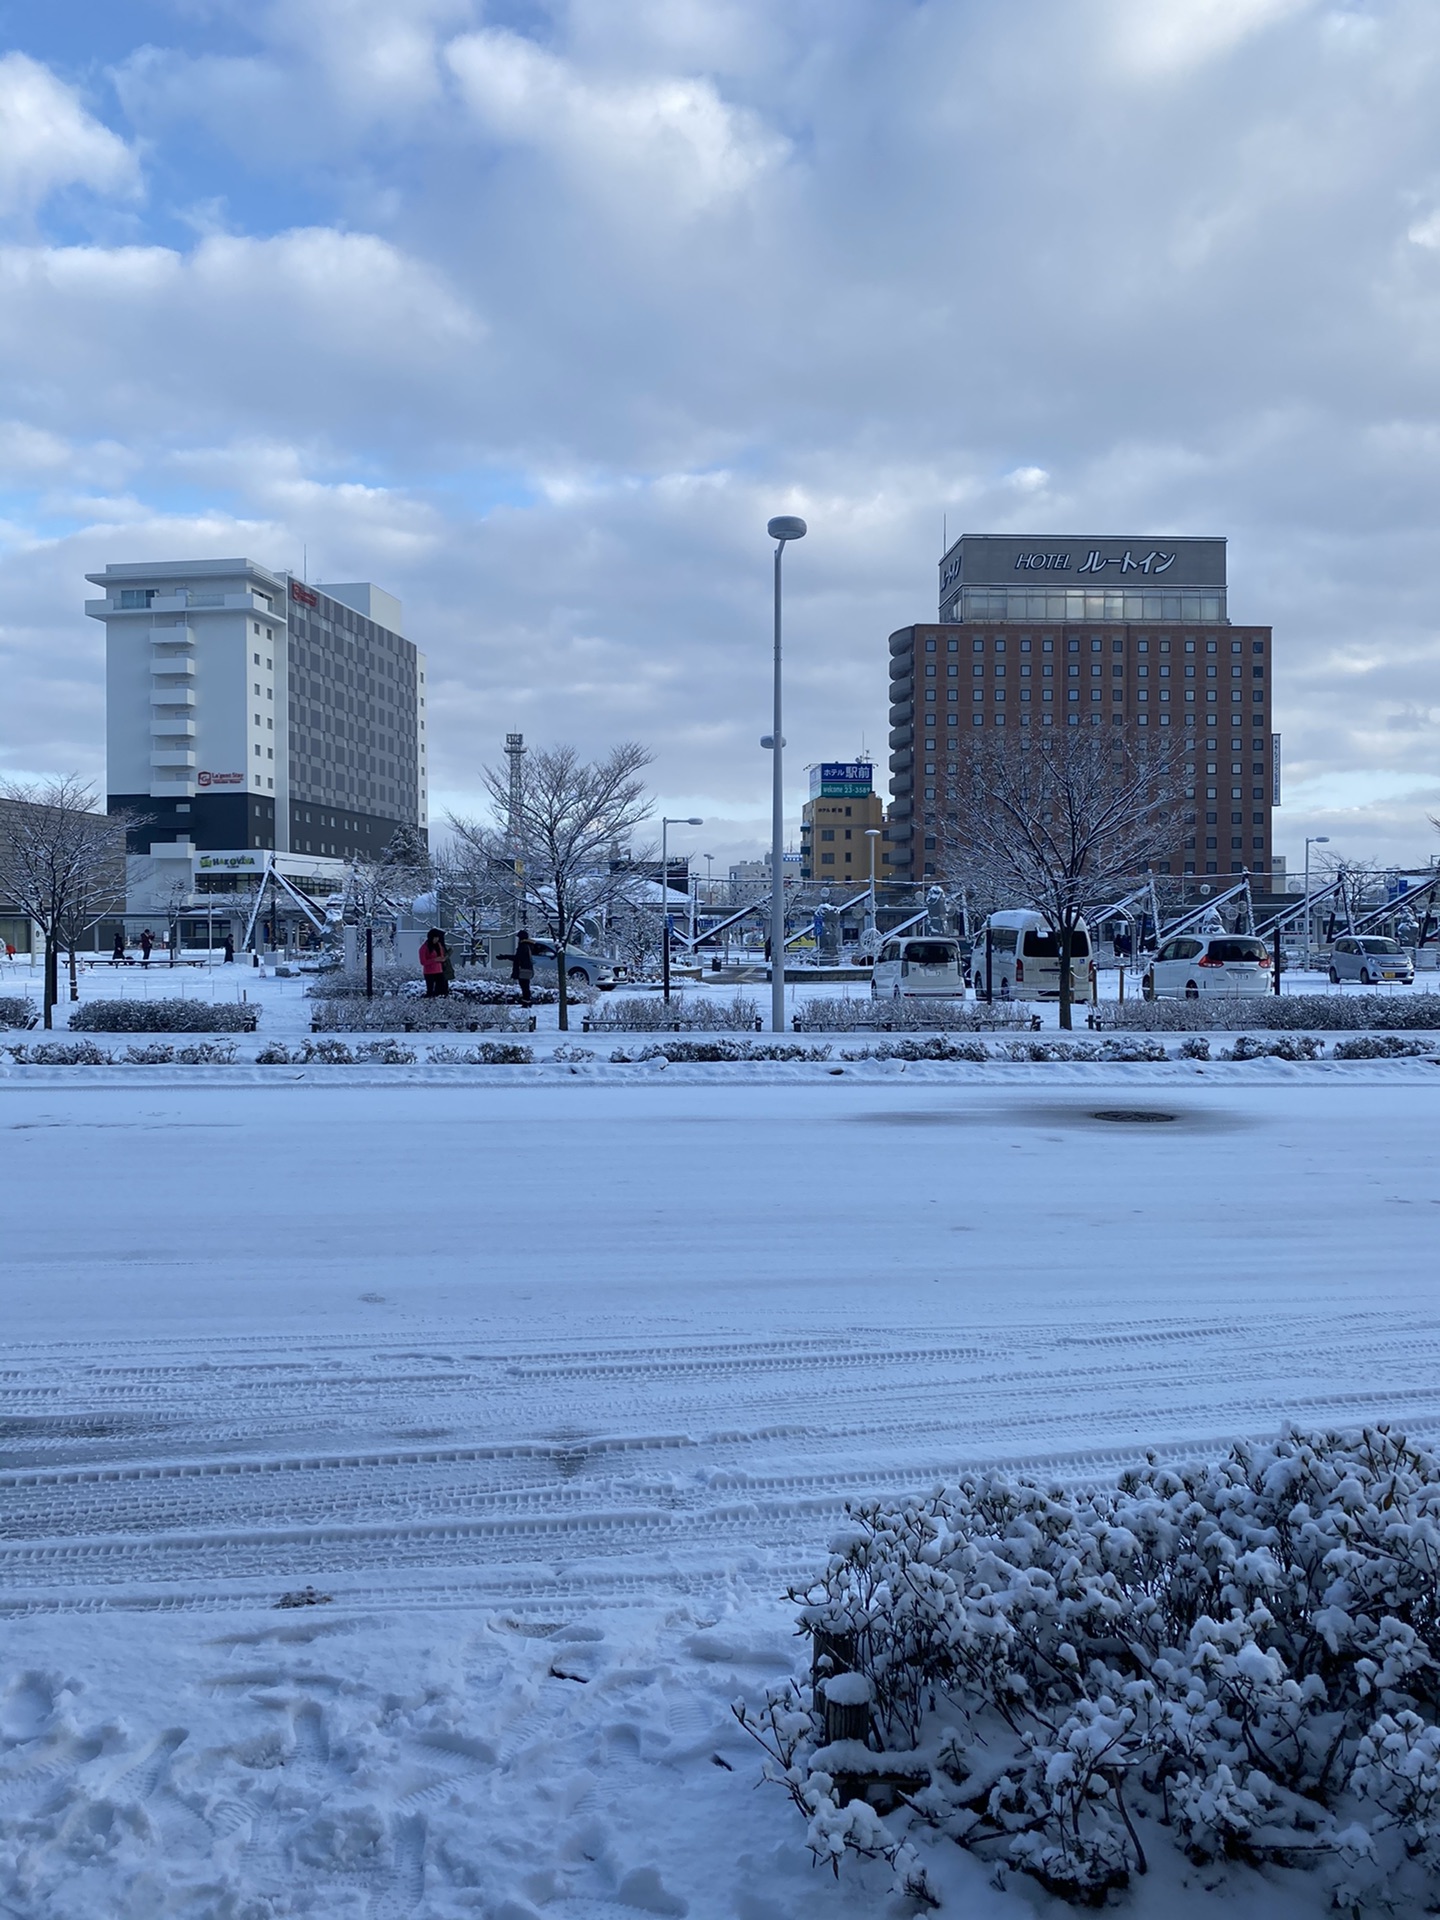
(1369, 958)
(1199, 964)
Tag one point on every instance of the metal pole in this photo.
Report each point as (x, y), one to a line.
(665, 909)
(1307, 903)
(777, 838)
(989, 958)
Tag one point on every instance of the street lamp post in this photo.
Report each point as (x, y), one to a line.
(872, 834)
(783, 527)
(665, 826)
(1319, 840)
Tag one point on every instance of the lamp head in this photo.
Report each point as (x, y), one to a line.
(1321, 839)
(785, 526)
(690, 823)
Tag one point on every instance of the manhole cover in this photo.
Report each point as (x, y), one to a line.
(1133, 1116)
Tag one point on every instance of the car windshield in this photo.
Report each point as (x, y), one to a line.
(1374, 943)
(1229, 953)
(930, 953)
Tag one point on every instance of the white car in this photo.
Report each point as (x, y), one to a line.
(1369, 958)
(1193, 964)
(913, 967)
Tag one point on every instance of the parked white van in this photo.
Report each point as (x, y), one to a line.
(915, 965)
(1025, 957)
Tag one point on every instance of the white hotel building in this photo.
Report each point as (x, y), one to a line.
(252, 717)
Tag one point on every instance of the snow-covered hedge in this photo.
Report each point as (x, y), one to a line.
(686, 1012)
(17, 1011)
(1296, 1012)
(839, 1015)
(484, 989)
(1239, 1659)
(1386, 1046)
(165, 1016)
(401, 1014)
(691, 1052)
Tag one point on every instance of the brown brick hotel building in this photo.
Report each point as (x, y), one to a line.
(1129, 634)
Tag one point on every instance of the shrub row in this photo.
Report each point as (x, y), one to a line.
(17, 1011)
(684, 1012)
(1241, 1657)
(400, 1014)
(487, 990)
(85, 1053)
(1299, 1012)
(390, 1053)
(838, 1015)
(688, 1052)
(165, 1016)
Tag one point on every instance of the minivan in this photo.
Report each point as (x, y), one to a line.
(1195, 964)
(918, 965)
(1025, 957)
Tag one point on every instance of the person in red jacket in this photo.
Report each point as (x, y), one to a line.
(433, 957)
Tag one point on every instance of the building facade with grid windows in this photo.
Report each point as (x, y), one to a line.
(249, 714)
(1129, 635)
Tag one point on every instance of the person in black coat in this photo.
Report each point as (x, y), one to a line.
(522, 965)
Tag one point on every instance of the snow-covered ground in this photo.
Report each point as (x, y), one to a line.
(552, 1388)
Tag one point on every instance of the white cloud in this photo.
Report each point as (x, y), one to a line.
(1155, 37)
(49, 141)
(670, 140)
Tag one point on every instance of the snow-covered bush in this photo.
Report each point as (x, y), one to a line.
(489, 1053)
(835, 1014)
(691, 1052)
(1291, 1046)
(60, 1053)
(1296, 1013)
(17, 1011)
(935, 1046)
(685, 1013)
(1388, 1046)
(1196, 1049)
(1242, 1657)
(336, 1053)
(165, 1016)
(484, 989)
(400, 1014)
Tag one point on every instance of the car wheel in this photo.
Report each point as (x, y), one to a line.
(1147, 987)
(577, 976)
(1192, 989)
(1365, 977)
(895, 992)
(1334, 978)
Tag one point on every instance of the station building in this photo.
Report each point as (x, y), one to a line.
(1129, 634)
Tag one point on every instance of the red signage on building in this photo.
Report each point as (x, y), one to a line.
(303, 595)
(219, 779)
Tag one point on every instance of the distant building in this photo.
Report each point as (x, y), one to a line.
(842, 809)
(1131, 635)
(250, 716)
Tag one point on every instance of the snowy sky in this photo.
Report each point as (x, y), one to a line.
(533, 311)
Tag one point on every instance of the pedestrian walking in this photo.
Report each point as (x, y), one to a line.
(522, 965)
(117, 955)
(147, 941)
(433, 958)
(229, 949)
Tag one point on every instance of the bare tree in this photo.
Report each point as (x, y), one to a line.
(1061, 820)
(378, 889)
(62, 863)
(570, 815)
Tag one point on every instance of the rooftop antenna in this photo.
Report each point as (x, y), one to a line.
(944, 534)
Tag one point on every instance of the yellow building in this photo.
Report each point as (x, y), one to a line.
(843, 808)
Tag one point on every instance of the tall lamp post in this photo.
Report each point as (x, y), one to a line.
(872, 834)
(1317, 840)
(783, 527)
(665, 826)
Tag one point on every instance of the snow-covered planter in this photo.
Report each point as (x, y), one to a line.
(17, 1011)
(685, 1013)
(835, 1014)
(400, 1014)
(1294, 1013)
(484, 989)
(1239, 1659)
(165, 1016)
